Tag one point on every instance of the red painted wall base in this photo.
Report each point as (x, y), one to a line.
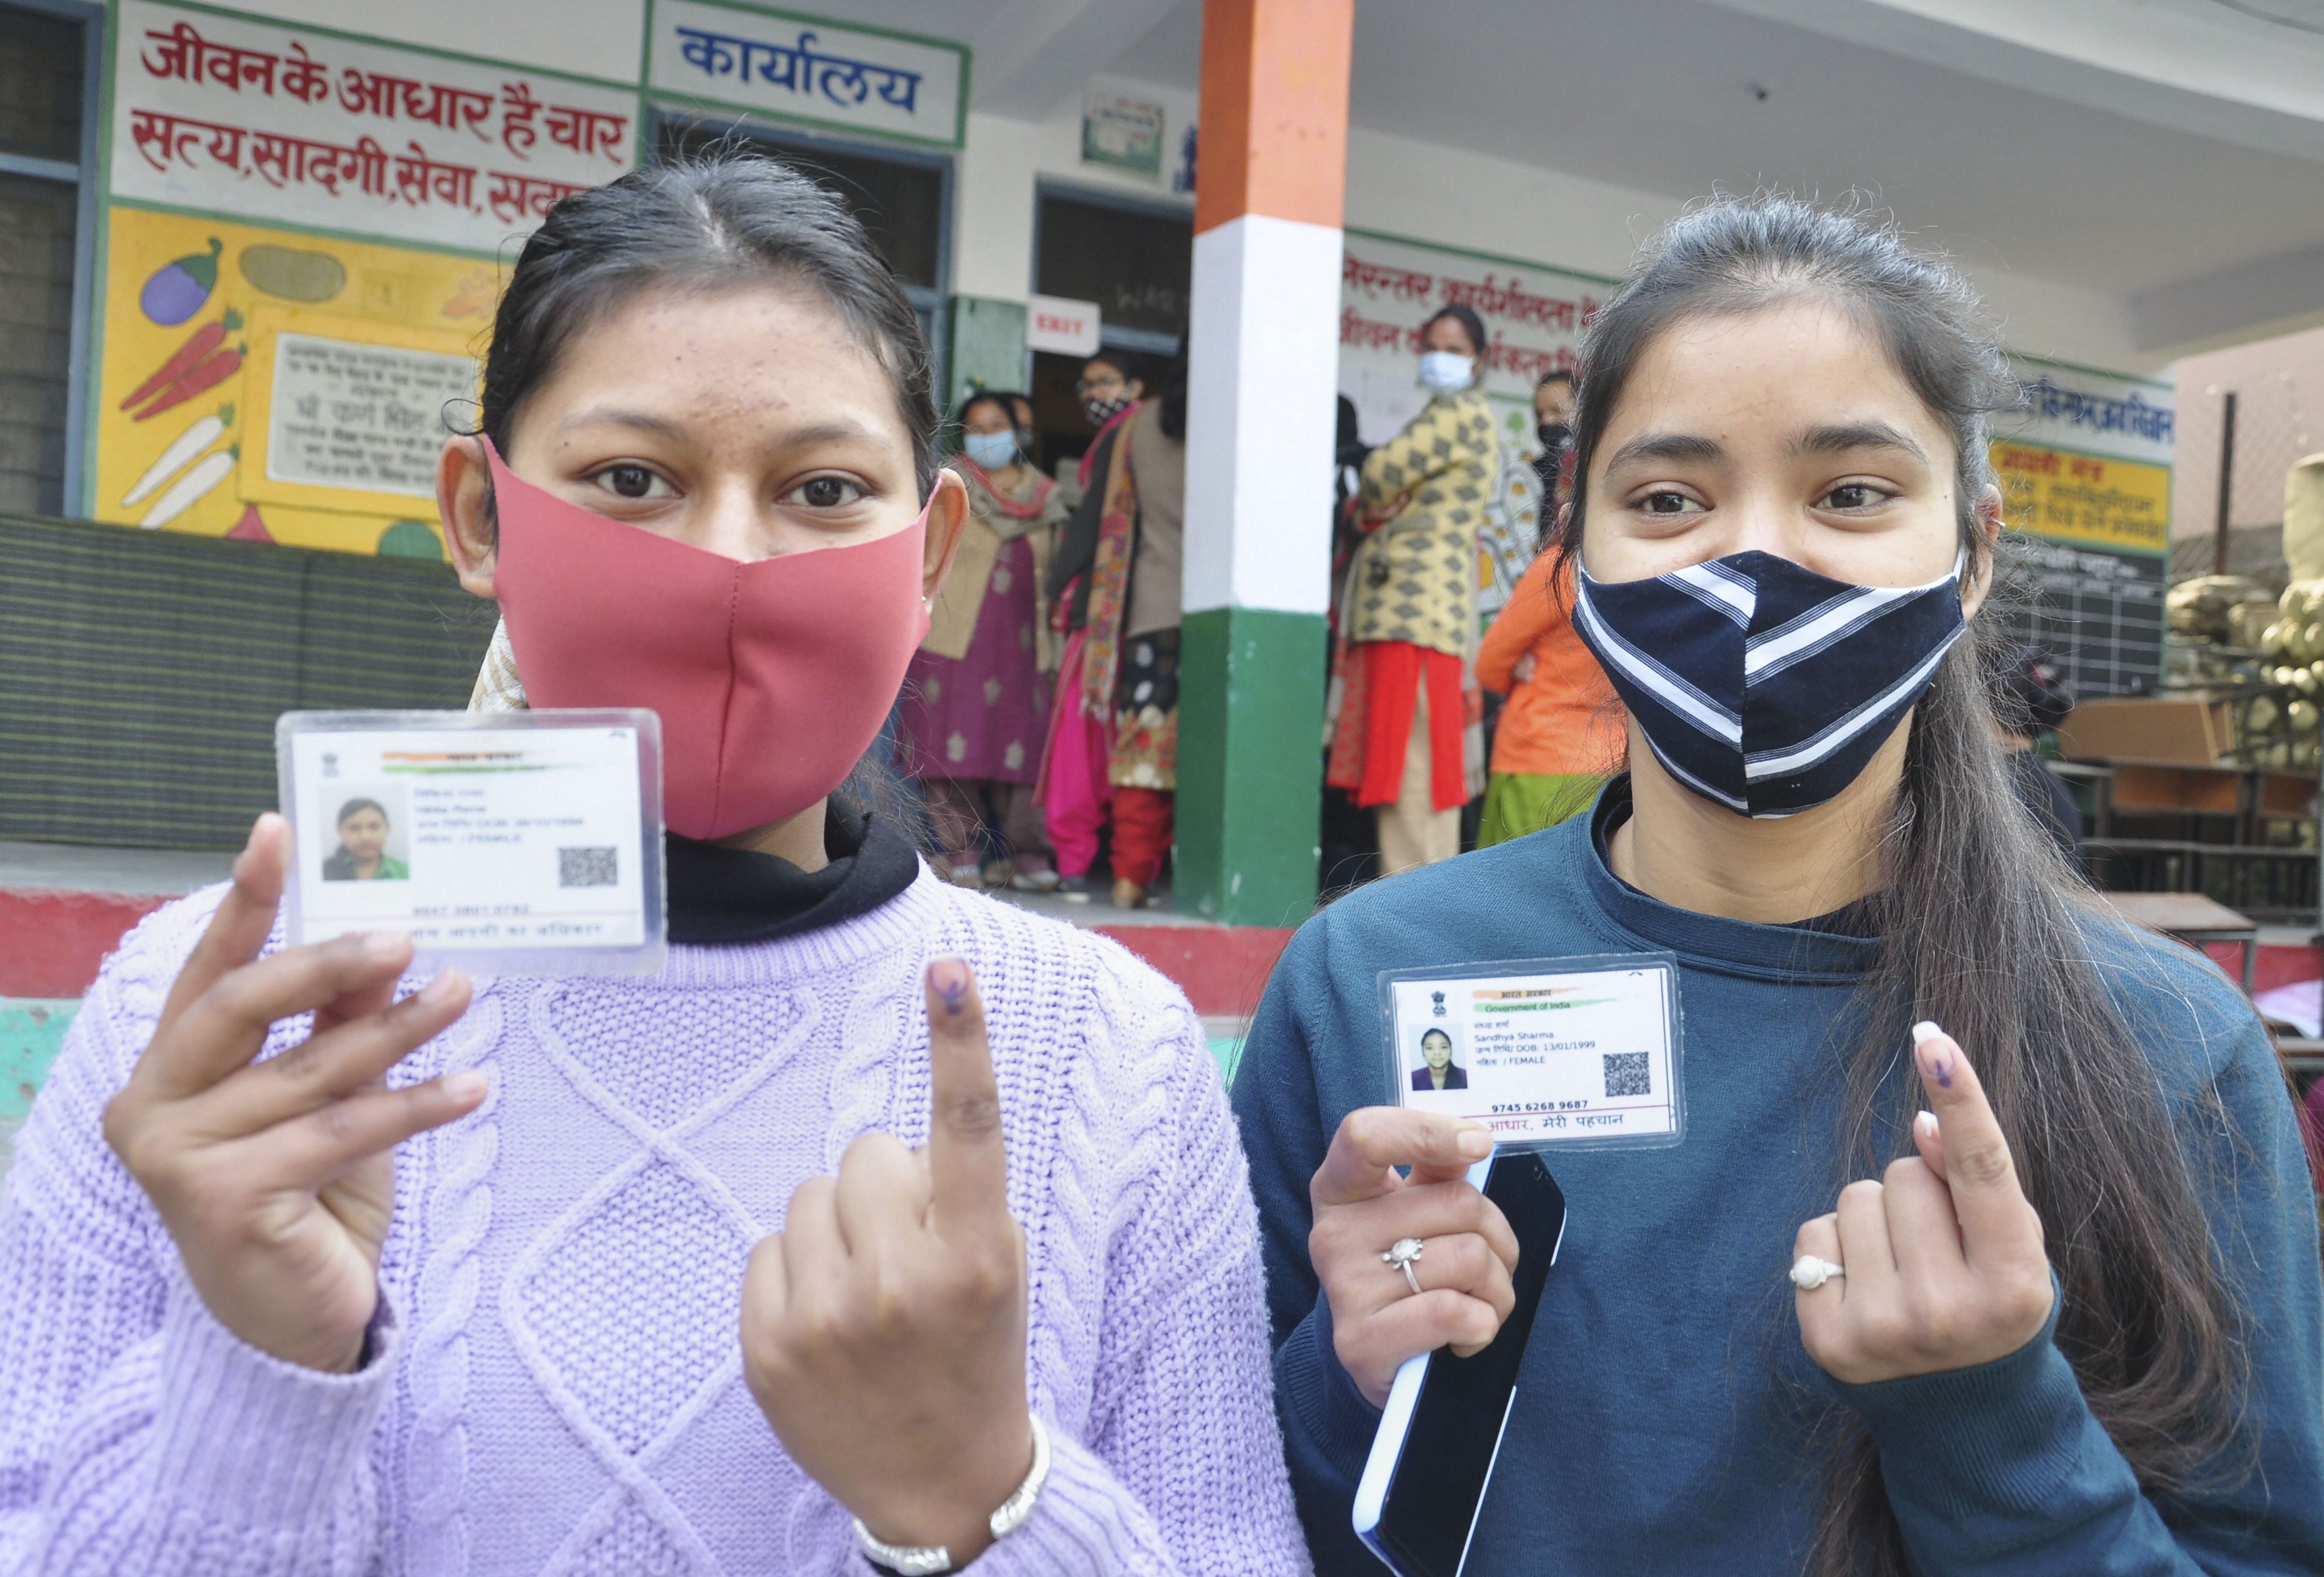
(51, 944)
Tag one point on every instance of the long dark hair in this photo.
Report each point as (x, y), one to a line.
(706, 222)
(1984, 926)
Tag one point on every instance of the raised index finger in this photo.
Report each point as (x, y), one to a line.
(1979, 1169)
(245, 917)
(968, 1161)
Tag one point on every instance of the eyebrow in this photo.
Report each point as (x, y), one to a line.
(662, 427)
(614, 416)
(1856, 435)
(1667, 446)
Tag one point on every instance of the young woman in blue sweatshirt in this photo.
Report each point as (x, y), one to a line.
(2079, 1326)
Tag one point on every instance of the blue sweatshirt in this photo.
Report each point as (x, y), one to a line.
(1663, 1405)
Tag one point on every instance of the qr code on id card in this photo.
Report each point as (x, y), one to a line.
(595, 868)
(1626, 1074)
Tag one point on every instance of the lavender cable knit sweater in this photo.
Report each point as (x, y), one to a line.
(555, 1386)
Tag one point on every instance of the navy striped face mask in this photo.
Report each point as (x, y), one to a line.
(1761, 686)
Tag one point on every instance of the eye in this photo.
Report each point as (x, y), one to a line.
(1856, 495)
(1666, 502)
(628, 480)
(826, 492)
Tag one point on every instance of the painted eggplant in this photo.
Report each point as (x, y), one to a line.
(178, 289)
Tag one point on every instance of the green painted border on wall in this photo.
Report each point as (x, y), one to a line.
(988, 347)
(32, 1028)
(1250, 764)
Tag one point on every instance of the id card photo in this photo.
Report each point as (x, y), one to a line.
(1542, 1057)
(527, 837)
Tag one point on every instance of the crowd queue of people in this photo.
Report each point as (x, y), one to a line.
(891, 1228)
(1039, 720)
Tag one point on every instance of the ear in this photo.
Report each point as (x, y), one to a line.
(948, 515)
(1133, 390)
(464, 480)
(1980, 563)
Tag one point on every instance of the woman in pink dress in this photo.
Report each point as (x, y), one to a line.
(976, 701)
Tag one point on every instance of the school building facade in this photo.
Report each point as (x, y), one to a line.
(253, 248)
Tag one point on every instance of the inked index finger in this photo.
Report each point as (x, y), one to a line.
(1372, 1141)
(968, 1159)
(1979, 1167)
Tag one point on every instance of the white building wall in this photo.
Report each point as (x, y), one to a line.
(1006, 160)
(1395, 184)
(1453, 198)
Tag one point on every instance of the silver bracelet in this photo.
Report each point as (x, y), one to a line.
(929, 1560)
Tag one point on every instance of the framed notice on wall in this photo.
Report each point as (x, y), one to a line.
(354, 411)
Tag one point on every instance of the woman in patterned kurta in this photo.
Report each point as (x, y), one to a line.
(976, 698)
(1410, 611)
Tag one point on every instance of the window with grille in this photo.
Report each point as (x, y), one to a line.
(43, 83)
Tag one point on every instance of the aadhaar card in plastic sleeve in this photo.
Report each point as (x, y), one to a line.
(511, 843)
(1569, 1053)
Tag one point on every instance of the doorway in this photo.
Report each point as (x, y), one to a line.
(1136, 260)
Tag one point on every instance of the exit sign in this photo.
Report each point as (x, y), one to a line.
(1068, 328)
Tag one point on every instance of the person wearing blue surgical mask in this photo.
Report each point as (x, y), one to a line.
(976, 701)
(1988, 1244)
(1400, 740)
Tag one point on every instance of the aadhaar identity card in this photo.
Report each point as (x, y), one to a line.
(1580, 1052)
(524, 842)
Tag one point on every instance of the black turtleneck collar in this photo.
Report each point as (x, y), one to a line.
(720, 896)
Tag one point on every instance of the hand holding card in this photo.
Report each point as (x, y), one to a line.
(277, 1178)
(1364, 1210)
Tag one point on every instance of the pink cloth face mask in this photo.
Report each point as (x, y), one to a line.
(771, 678)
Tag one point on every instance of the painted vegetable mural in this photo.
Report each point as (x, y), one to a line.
(178, 289)
(212, 469)
(205, 340)
(292, 273)
(208, 374)
(199, 436)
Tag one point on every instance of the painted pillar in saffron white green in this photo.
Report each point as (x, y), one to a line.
(1263, 345)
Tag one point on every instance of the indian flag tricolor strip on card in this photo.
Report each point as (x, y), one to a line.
(1544, 1052)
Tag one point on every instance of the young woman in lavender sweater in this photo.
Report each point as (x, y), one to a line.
(307, 1266)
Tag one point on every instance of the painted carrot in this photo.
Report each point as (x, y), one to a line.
(215, 370)
(197, 437)
(204, 340)
(214, 468)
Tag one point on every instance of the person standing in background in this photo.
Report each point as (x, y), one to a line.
(1511, 533)
(1350, 847)
(1411, 607)
(1561, 734)
(1119, 571)
(1028, 439)
(976, 698)
(2033, 699)
(1552, 416)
